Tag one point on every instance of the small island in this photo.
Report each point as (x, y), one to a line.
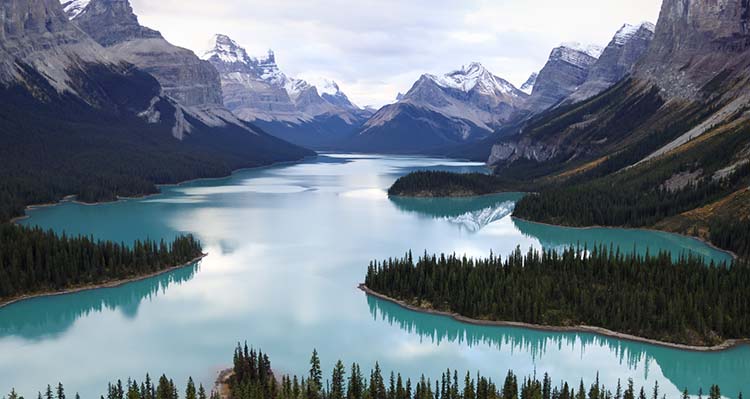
(447, 184)
(36, 262)
(684, 304)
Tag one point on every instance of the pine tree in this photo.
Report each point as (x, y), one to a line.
(337, 381)
(190, 392)
(315, 380)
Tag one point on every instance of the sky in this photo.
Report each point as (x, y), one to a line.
(375, 49)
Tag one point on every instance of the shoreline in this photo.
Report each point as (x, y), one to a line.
(72, 197)
(103, 285)
(711, 245)
(733, 255)
(457, 196)
(726, 345)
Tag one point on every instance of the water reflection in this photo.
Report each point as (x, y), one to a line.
(628, 240)
(470, 214)
(684, 369)
(47, 317)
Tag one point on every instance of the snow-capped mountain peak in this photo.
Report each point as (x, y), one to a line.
(226, 50)
(628, 31)
(324, 86)
(471, 77)
(73, 8)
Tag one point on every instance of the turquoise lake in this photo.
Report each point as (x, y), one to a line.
(287, 247)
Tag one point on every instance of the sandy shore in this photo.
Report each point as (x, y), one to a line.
(108, 284)
(726, 345)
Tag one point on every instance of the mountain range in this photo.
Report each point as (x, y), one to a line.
(256, 90)
(80, 118)
(462, 112)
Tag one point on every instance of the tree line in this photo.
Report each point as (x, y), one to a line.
(33, 260)
(652, 296)
(253, 378)
(446, 184)
(731, 234)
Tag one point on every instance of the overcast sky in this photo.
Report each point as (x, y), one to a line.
(375, 49)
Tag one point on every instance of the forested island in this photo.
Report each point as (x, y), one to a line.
(446, 184)
(252, 377)
(675, 302)
(36, 262)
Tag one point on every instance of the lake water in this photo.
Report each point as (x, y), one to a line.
(287, 247)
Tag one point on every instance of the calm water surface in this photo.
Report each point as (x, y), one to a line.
(288, 246)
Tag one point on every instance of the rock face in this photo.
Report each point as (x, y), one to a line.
(183, 76)
(37, 35)
(256, 90)
(694, 41)
(566, 70)
(461, 106)
(617, 60)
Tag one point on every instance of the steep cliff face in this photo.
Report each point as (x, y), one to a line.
(36, 35)
(694, 42)
(567, 69)
(183, 76)
(622, 53)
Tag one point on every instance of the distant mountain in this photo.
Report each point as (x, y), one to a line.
(566, 70)
(81, 119)
(625, 49)
(462, 106)
(256, 90)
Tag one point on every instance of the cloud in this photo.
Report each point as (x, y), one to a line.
(377, 48)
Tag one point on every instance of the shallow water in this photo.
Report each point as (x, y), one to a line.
(287, 247)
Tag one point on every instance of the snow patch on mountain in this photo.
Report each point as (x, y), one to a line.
(628, 31)
(74, 8)
(591, 50)
(528, 86)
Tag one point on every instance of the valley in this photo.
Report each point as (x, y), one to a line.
(531, 206)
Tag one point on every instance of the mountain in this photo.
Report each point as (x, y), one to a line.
(256, 90)
(528, 86)
(626, 48)
(666, 146)
(81, 119)
(566, 70)
(192, 82)
(462, 106)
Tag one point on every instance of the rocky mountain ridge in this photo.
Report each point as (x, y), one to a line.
(566, 70)
(256, 90)
(617, 60)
